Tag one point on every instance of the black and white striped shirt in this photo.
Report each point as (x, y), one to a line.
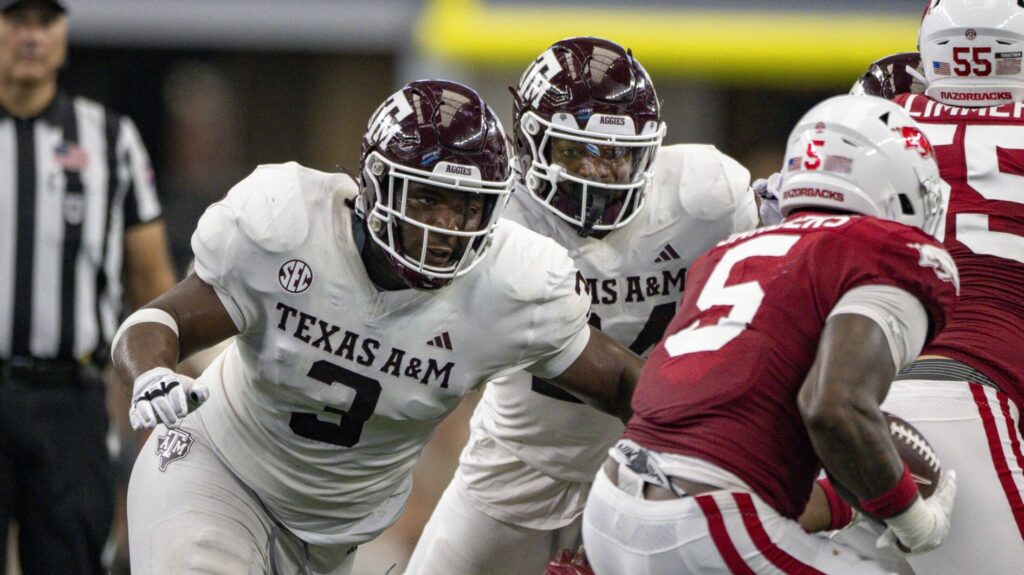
(71, 181)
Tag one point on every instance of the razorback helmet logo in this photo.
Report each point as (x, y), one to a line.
(914, 139)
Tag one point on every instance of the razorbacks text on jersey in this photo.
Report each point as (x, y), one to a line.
(980, 152)
(635, 276)
(722, 385)
(325, 399)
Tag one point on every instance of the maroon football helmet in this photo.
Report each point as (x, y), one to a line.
(891, 76)
(440, 134)
(592, 94)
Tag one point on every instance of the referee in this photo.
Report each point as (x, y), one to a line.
(77, 204)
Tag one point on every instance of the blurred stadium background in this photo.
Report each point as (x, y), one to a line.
(219, 86)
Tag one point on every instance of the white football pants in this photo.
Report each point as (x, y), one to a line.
(975, 430)
(717, 532)
(461, 540)
(195, 516)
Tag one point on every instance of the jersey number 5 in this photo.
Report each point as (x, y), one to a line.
(992, 156)
(345, 433)
(744, 298)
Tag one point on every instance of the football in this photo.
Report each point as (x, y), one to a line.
(915, 451)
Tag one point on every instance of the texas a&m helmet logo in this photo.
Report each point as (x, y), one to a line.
(386, 121)
(537, 78)
(295, 276)
(914, 139)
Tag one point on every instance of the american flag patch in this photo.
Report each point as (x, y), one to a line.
(838, 164)
(1008, 63)
(71, 157)
(793, 164)
(941, 68)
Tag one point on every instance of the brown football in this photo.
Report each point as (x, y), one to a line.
(915, 451)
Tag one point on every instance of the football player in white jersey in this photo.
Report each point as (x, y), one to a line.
(363, 312)
(633, 217)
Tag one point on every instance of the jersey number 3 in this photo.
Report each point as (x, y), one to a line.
(345, 433)
(744, 298)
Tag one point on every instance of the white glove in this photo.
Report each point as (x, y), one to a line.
(162, 396)
(768, 190)
(924, 524)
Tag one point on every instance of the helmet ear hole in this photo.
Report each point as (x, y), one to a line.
(530, 126)
(906, 205)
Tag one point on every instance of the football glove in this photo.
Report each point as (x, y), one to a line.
(768, 190)
(923, 525)
(162, 396)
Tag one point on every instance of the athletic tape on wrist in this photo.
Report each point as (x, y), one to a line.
(842, 512)
(145, 315)
(894, 501)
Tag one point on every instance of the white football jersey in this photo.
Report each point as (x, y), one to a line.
(636, 275)
(332, 388)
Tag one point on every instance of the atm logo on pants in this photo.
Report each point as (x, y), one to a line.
(172, 447)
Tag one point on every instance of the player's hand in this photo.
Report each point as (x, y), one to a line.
(162, 396)
(924, 525)
(768, 190)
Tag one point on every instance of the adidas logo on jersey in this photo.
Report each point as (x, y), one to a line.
(668, 254)
(442, 341)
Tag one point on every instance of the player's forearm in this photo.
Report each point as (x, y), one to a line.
(623, 404)
(854, 445)
(839, 403)
(142, 347)
(604, 375)
(817, 516)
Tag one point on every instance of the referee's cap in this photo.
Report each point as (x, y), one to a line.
(6, 5)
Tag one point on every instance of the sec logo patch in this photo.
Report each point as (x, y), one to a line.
(295, 276)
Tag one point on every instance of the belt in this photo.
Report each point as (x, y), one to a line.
(944, 370)
(33, 373)
(654, 492)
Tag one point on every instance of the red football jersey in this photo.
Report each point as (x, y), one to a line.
(981, 155)
(722, 384)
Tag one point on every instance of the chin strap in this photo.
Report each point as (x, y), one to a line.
(916, 75)
(593, 214)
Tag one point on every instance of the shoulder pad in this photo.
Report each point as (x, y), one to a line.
(708, 183)
(527, 262)
(271, 206)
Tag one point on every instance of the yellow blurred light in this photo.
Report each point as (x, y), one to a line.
(773, 48)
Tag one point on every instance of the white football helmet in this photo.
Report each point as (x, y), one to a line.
(972, 51)
(865, 155)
